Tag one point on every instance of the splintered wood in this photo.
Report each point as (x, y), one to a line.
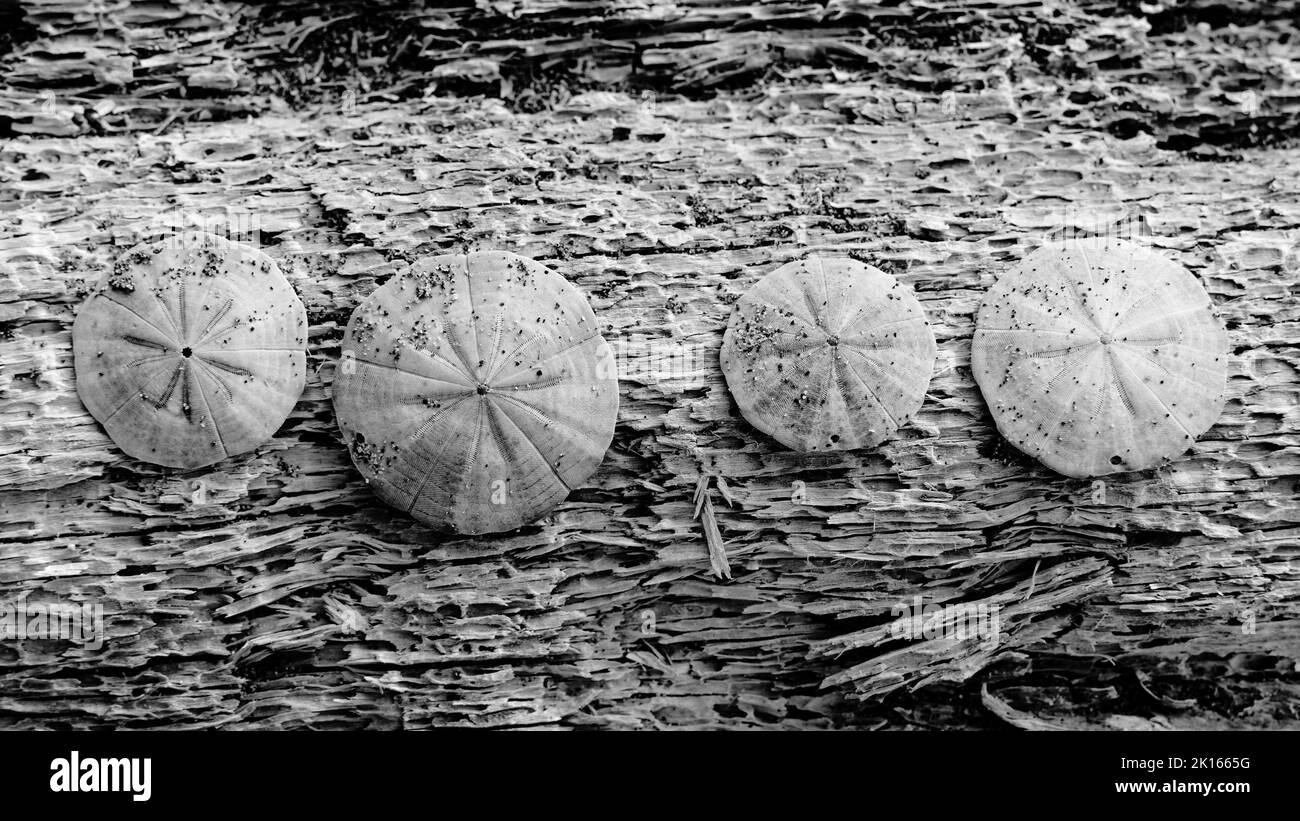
(662, 159)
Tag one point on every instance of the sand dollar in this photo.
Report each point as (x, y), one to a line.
(828, 354)
(1099, 356)
(192, 350)
(476, 391)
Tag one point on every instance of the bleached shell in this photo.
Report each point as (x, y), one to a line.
(1099, 356)
(828, 354)
(246, 330)
(407, 395)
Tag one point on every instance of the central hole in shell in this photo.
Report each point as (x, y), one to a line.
(1106, 339)
(482, 389)
(187, 352)
(833, 340)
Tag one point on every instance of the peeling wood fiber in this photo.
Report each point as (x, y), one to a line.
(663, 158)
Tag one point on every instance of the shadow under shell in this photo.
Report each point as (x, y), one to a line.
(476, 391)
(1099, 356)
(192, 350)
(828, 354)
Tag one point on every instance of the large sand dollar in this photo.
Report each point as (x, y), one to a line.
(828, 354)
(476, 391)
(1099, 356)
(192, 350)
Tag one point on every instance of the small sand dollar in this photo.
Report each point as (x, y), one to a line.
(192, 350)
(828, 354)
(476, 391)
(1099, 356)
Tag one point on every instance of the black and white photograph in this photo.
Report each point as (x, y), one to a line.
(649, 365)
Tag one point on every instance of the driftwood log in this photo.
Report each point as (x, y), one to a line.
(662, 157)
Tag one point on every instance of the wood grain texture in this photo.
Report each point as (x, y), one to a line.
(662, 157)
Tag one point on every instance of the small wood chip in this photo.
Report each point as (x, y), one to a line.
(712, 536)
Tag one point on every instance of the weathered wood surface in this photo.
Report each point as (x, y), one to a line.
(663, 157)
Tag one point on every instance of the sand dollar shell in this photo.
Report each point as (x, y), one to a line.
(476, 391)
(1099, 356)
(191, 351)
(828, 354)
